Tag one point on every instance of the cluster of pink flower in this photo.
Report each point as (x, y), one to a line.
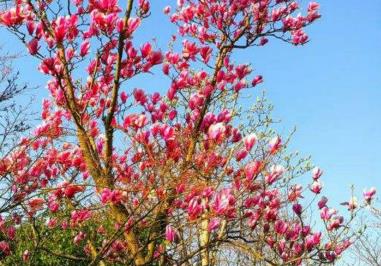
(178, 150)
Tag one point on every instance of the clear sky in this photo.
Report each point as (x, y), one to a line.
(329, 89)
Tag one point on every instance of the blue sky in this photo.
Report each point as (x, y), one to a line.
(329, 89)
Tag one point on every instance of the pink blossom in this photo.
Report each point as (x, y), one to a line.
(85, 47)
(71, 190)
(249, 141)
(195, 207)
(335, 223)
(79, 216)
(352, 204)
(295, 193)
(275, 144)
(316, 173)
(33, 46)
(12, 16)
(214, 223)
(36, 203)
(316, 187)
(257, 80)
(79, 237)
(133, 24)
(146, 49)
(224, 202)
(252, 169)
(140, 96)
(297, 208)
(31, 26)
(326, 213)
(280, 227)
(172, 114)
(240, 155)
(11, 232)
(263, 41)
(123, 97)
(322, 202)
(216, 131)
(276, 171)
(190, 50)
(26, 255)
(312, 241)
(170, 233)
(369, 194)
(167, 10)
(4, 248)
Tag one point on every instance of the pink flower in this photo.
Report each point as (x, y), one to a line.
(352, 204)
(190, 50)
(133, 24)
(295, 193)
(299, 37)
(369, 195)
(31, 26)
(252, 169)
(60, 29)
(280, 227)
(313, 12)
(214, 223)
(316, 173)
(11, 232)
(26, 255)
(249, 141)
(195, 207)
(172, 114)
(326, 213)
(170, 233)
(85, 47)
(316, 187)
(71, 190)
(106, 195)
(257, 80)
(241, 154)
(123, 97)
(167, 10)
(140, 96)
(322, 202)
(79, 216)
(79, 237)
(53, 206)
(335, 223)
(275, 144)
(263, 41)
(297, 208)
(206, 53)
(36, 203)
(146, 49)
(224, 202)
(11, 17)
(313, 241)
(33, 47)
(276, 171)
(4, 248)
(313, 6)
(216, 131)
(166, 68)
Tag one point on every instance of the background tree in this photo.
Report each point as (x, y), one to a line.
(365, 251)
(182, 179)
(13, 123)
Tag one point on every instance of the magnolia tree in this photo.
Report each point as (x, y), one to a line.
(12, 124)
(181, 178)
(366, 250)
